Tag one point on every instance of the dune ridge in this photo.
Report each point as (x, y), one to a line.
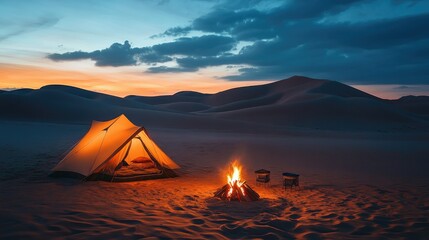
(295, 102)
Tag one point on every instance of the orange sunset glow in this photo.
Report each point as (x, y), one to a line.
(116, 83)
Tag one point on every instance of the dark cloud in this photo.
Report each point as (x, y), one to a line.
(252, 24)
(202, 62)
(346, 39)
(309, 9)
(224, 21)
(78, 55)
(249, 24)
(116, 55)
(124, 55)
(379, 50)
(372, 35)
(243, 4)
(208, 45)
(175, 32)
(293, 38)
(149, 56)
(165, 69)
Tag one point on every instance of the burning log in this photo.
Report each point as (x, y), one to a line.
(236, 189)
(243, 193)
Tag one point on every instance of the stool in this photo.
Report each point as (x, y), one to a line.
(290, 180)
(262, 176)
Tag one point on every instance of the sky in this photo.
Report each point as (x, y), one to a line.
(154, 47)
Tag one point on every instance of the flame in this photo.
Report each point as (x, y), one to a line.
(234, 178)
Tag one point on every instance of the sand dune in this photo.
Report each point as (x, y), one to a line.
(187, 107)
(332, 113)
(278, 92)
(184, 96)
(286, 90)
(340, 90)
(297, 102)
(414, 104)
(65, 104)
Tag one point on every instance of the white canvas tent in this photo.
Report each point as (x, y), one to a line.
(116, 150)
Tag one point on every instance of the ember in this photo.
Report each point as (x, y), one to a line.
(236, 189)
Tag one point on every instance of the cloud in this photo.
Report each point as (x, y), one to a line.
(270, 61)
(252, 24)
(377, 50)
(12, 29)
(174, 31)
(116, 55)
(290, 38)
(375, 34)
(208, 45)
(310, 9)
(78, 55)
(124, 55)
(147, 55)
(165, 69)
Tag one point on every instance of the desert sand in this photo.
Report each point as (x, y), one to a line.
(363, 172)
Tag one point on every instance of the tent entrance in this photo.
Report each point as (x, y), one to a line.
(137, 161)
(133, 162)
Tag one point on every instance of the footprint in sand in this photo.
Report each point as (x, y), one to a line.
(396, 229)
(293, 209)
(197, 221)
(231, 229)
(189, 198)
(312, 236)
(282, 225)
(382, 221)
(332, 215)
(177, 208)
(365, 230)
(344, 227)
(294, 216)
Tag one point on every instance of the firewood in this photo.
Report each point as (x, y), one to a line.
(248, 194)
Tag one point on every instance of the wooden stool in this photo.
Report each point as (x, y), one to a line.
(262, 176)
(290, 180)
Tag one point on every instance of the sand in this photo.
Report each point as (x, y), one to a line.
(363, 163)
(353, 186)
(182, 208)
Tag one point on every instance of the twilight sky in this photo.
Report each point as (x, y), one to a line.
(151, 47)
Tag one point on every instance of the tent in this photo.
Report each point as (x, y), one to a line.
(116, 150)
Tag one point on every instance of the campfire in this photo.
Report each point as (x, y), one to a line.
(236, 189)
